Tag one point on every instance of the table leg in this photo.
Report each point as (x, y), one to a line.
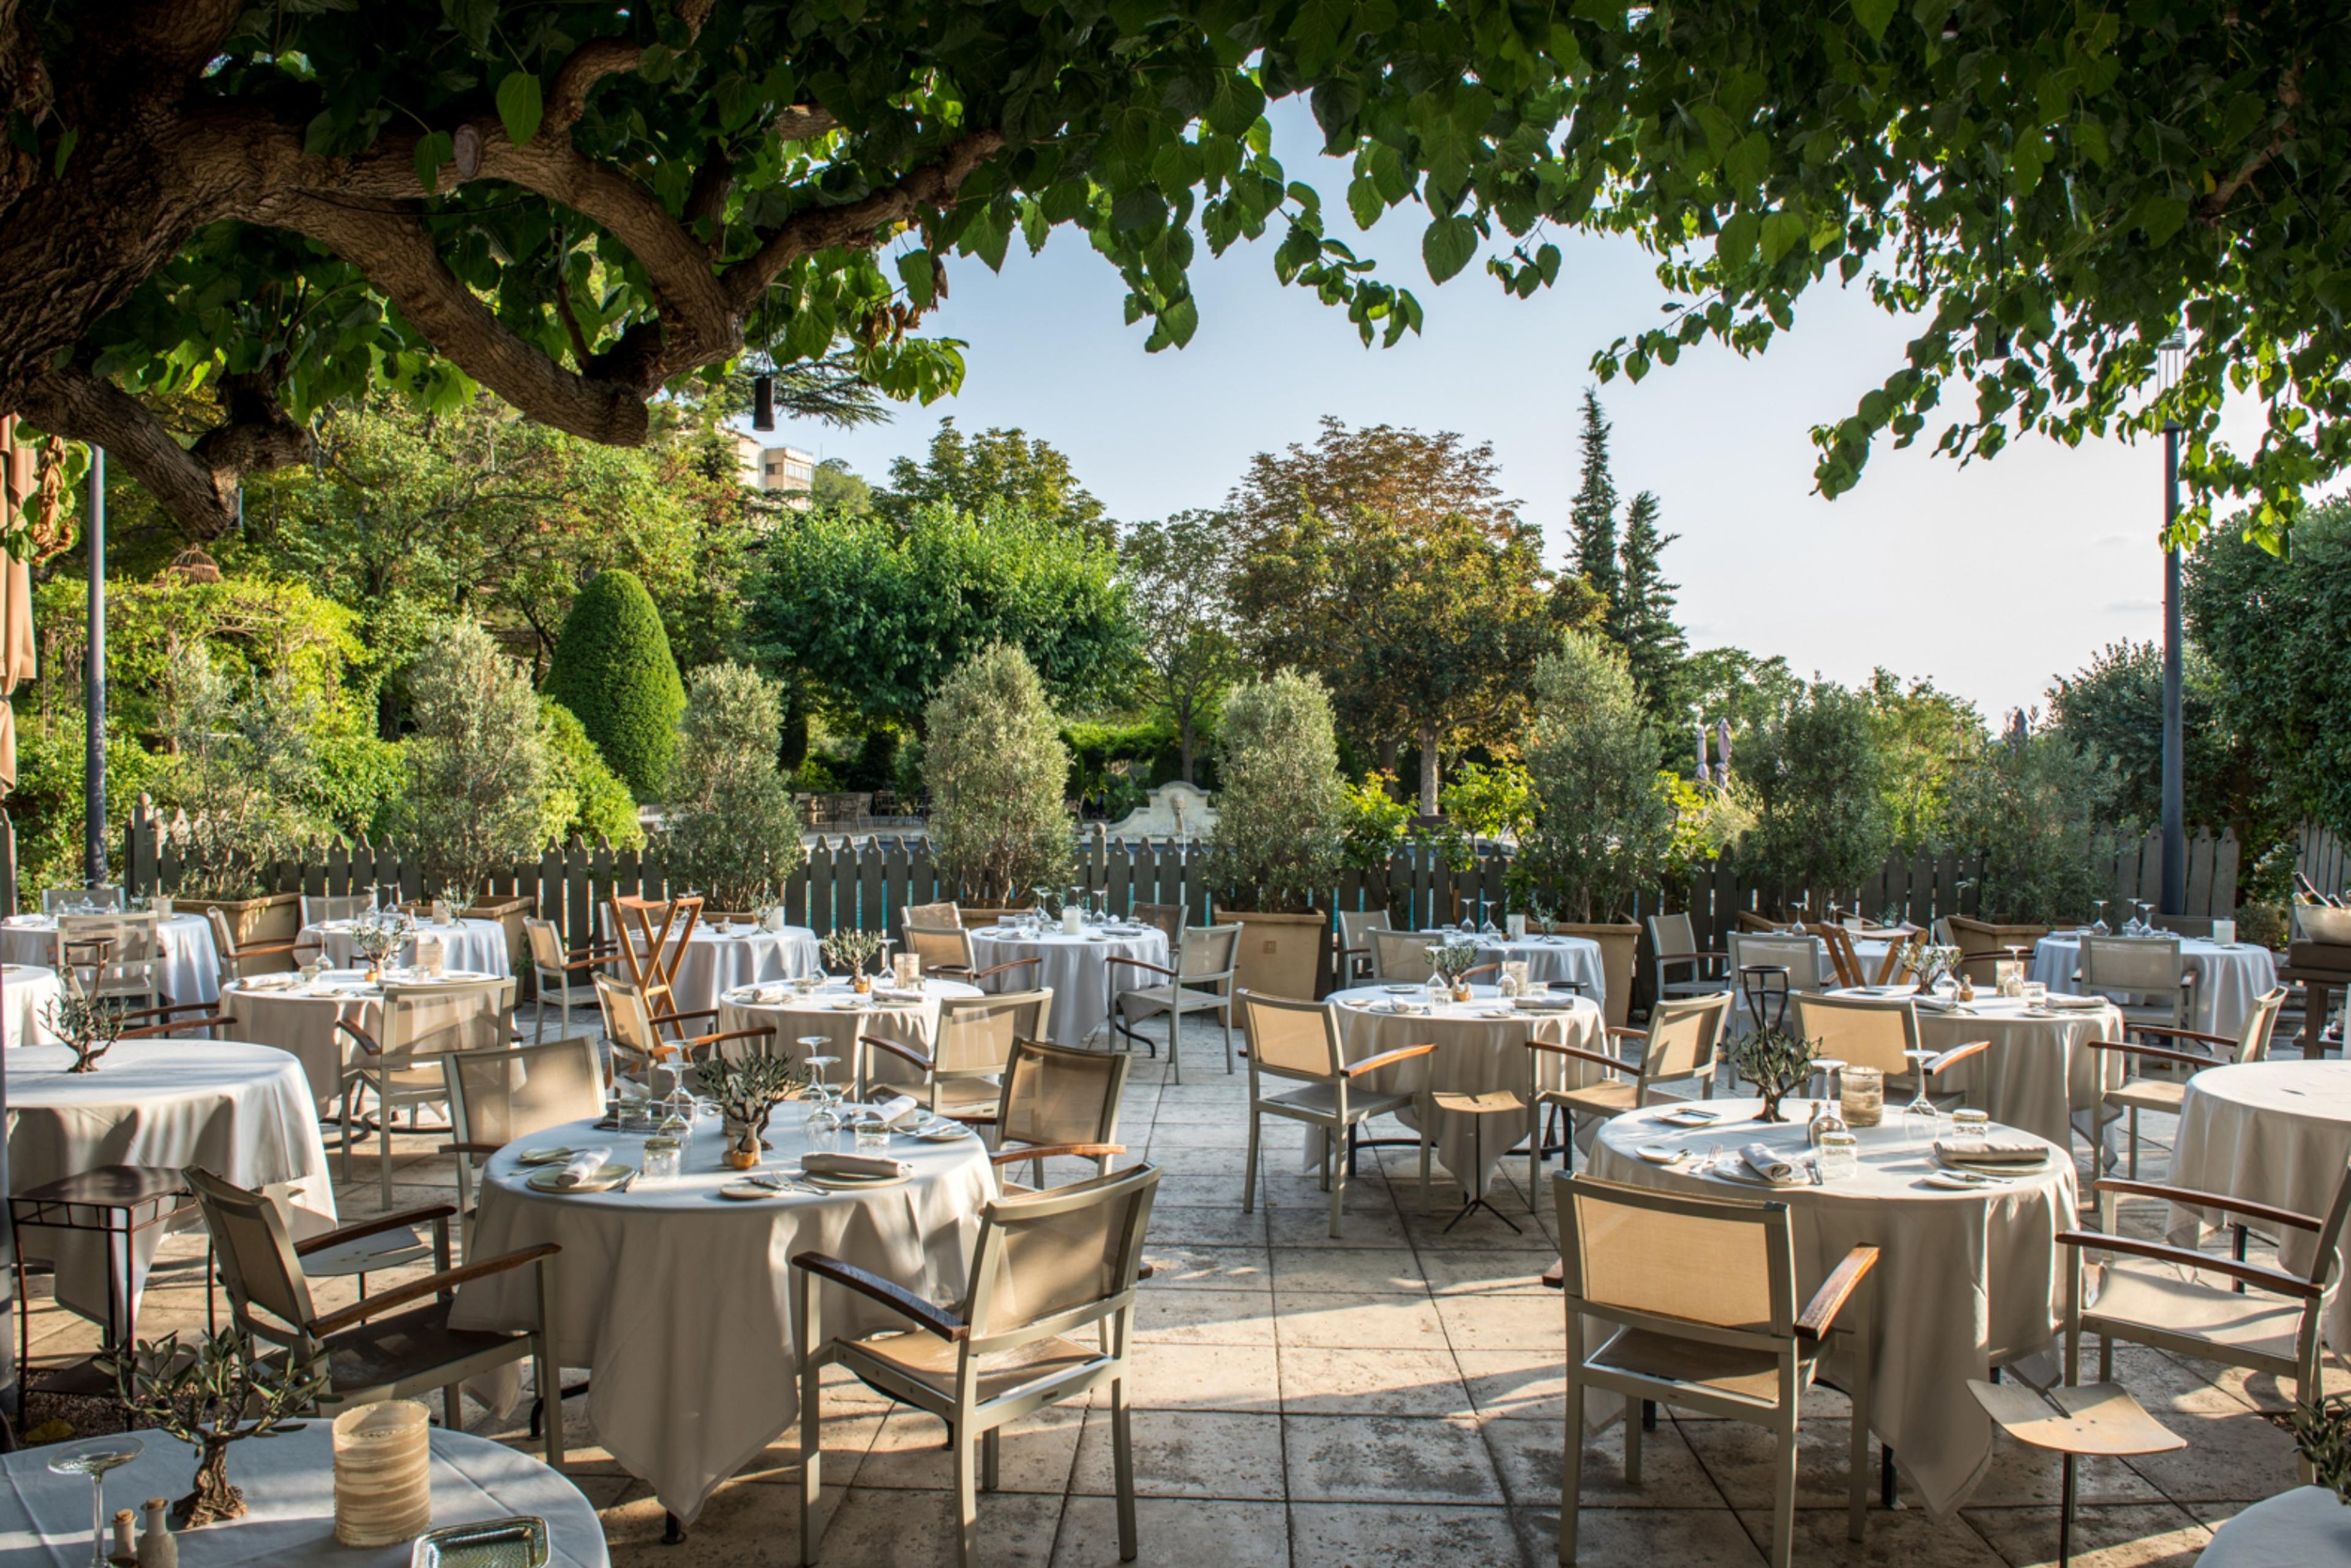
(2317, 1006)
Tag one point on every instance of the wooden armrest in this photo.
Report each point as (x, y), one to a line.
(1596, 1058)
(1690, 958)
(431, 1285)
(159, 1030)
(1624, 1031)
(1555, 1277)
(469, 1149)
(897, 1298)
(2199, 1198)
(2182, 1033)
(1494, 968)
(381, 1223)
(975, 976)
(767, 1031)
(367, 1041)
(272, 949)
(898, 1049)
(1140, 964)
(1055, 1151)
(595, 950)
(166, 1007)
(2269, 1280)
(1387, 1059)
(1821, 1309)
(673, 1018)
(2187, 1058)
(1355, 952)
(1956, 1055)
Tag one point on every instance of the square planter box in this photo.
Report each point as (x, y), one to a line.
(273, 917)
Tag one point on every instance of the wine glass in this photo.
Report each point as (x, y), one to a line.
(2099, 927)
(1919, 1118)
(823, 1120)
(93, 1459)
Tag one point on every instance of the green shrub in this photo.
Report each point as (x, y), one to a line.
(612, 668)
(1822, 822)
(1282, 808)
(996, 767)
(2034, 803)
(1371, 822)
(45, 807)
(732, 832)
(1602, 826)
(240, 766)
(478, 774)
(585, 799)
(815, 775)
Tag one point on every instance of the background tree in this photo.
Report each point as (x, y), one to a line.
(872, 615)
(992, 758)
(1592, 515)
(478, 768)
(1282, 808)
(1820, 792)
(1001, 466)
(1175, 573)
(1602, 825)
(836, 488)
(1923, 735)
(242, 767)
(612, 668)
(2112, 707)
(1643, 616)
(1416, 478)
(731, 828)
(1733, 683)
(2034, 803)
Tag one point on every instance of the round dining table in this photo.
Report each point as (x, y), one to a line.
(2276, 1133)
(2040, 1072)
(478, 947)
(679, 1300)
(719, 958)
(1555, 960)
(27, 993)
(239, 1110)
(288, 1482)
(183, 942)
(2296, 1529)
(1481, 1046)
(1966, 1280)
(839, 1015)
(2231, 977)
(300, 1017)
(1076, 968)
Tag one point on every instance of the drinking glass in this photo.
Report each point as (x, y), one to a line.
(1919, 1118)
(1839, 1156)
(873, 1132)
(93, 1459)
(2099, 926)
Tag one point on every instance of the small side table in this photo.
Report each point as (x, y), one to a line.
(118, 1203)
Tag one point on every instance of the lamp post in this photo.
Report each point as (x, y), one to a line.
(2170, 356)
(93, 790)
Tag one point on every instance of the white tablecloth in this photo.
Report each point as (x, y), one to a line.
(1553, 959)
(191, 968)
(241, 1111)
(839, 1015)
(1475, 1053)
(479, 945)
(301, 1020)
(715, 963)
(2297, 1529)
(31, 991)
(2040, 1072)
(1077, 968)
(680, 1301)
(1965, 1280)
(2229, 979)
(2275, 1133)
(289, 1499)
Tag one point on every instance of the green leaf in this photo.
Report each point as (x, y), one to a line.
(1363, 201)
(1447, 247)
(66, 144)
(520, 107)
(914, 271)
(1782, 232)
(1735, 244)
(432, 151)
(1874, 15)
(472, 19)
(2161, 217)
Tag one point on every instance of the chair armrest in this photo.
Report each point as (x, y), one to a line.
(382, 1222)
(166, 1007)
(897, 1298)
(2187, 1058)
(469, 1149)
(976, 975)
(2269, 1280)
(1690, 958)
(160, 1030)
(274, 949)
(898, 1049)
(1596, 1058)
(1821, 1309)
(1387, 1059)
(1494, 968)
(1355, 952)
(2198, 1198)
(2182, 1033)
(1624, 1031)
(1055, 1151)
(1140, 964)
(431, 1285)
(681, 1017)
(595, 950)
(1555, 1277)
(1956, 1055)
(764, 1030)
(367, 1041)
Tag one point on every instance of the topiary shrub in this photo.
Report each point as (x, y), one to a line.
(733, 835)
(1282, 809)
(478, 777)
(586, 800)
(995, 766)
(612, 668)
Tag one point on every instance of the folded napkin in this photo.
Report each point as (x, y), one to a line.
(277, 982)
(1992, 1151)
(1767, 1165)
(2077, 1004)
(1936, 1004)
(898, 1111)
(853, 1166)
(582, 1166)
(1546, 1004)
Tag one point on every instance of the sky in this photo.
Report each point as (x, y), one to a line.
(1989, 579)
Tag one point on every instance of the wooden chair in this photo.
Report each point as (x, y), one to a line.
(2273, 1324)
(1843, 959)
(1682, 1042)
(1674, 944)
(317, 908)
(386, 1346)
(1761, 924)
(1048, 1266)
(946, 912)
(1695, 1298)
(644, 1042)
(1356, 928)
(1876, 1031)
(968, 1056)
(2167, 1094)
(1399, 958)
(2123, 968)
(1970, 935)
(1059, 1101)
(499, 1096)
(565, 975)
(420, 1024)
(2098, 1421)
(652, 954)
(1169, 919)
(230, 957)
(945, 951)
(1201, 982)
(1298, 1042)
(113, 958)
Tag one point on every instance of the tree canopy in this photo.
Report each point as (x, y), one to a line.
(1006, 465)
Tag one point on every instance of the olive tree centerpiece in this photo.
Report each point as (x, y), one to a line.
(1777, 1062)
(854, 951)
(745, 1090)
(219, 1391)
(89, 1027)
(1451, 961)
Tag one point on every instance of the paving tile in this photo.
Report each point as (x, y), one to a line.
(1356, 1318)
(1312, 1228)
(1391, 1535)
(1182, 1376)
(884, 1529)
(1369, 1459)
(1488, 1272)
(1220, 1224)
(1377, 1269)
(1505, 1322)
(1187, 1532)
(1178, 1267)
(1515, 1384)
(2140, 1535)
(1188, 1453)
(1034, 1454)
(1349, 1381)
(1204, 1317)
(1527, 1455)
(1642, 1538)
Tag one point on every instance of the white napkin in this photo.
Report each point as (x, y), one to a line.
(1991, 1151)
(582, 1166)
(1767, 1165)
(2075, 1004)
(833, 1165)
(898, 1111)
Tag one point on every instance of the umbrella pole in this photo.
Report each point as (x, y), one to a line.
(94, 762)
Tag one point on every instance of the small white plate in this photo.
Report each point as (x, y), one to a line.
(945, 1133)
(1957, 1181)
(851, 1184)
(1692, 1118)
(749, 1192)
(1660, 1153)
(1402, 990)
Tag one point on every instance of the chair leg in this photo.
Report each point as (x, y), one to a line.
(966, 1504)
(1121, 1447)
(2065, 1517)
(1571, 1477)
(538, 1033)
(987, 1456)
(383, 1165)
(1248, 1169)
(2133, 1144)
(1783, 1500)
(1338, 1190)
(1632, 1441)
(811, 1461)
(1175, 1044)
(453, 1408)
(1227, 1013)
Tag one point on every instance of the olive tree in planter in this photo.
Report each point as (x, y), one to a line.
(478, 775)
(1280, 816)
(997, 769)
(733, 834)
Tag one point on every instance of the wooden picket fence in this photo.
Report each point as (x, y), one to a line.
(863, 883)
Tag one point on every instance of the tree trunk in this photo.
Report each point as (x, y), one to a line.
(1388, 755)
(215, 1498)
(1186, 744)
(1428, 771)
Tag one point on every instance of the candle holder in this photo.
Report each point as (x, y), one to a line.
(383, 1473)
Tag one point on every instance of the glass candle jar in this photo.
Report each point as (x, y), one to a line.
(383, 1473)
(664, 1158)
(1863, 1096)
(872, 1133)
(2009, 974)
(1839, 1156)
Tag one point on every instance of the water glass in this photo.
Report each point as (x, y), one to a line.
(1862, 1096)
(872, 1133)
(2035, 993)
(636, 1113)
(1839, 1156)
(1970, 1125)
(664, 1159)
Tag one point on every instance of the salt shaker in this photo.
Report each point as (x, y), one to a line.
(159, 1548)
(125, 1541)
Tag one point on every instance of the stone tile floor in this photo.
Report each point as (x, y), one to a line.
(1391, 1397)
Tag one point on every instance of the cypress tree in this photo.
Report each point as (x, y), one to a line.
(612, 669)
(1643, 616)
(1592, 517)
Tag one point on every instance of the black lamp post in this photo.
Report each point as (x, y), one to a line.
(2170, 356)
(94, 759)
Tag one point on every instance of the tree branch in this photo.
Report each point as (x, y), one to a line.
(2209, 209)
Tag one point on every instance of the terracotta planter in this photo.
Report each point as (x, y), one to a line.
(1281, 955)
(274, 917)
(1619, 944)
